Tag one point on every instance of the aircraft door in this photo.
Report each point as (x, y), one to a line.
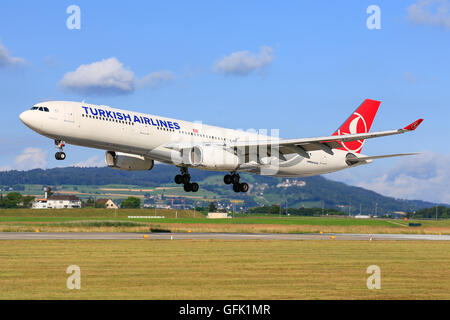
(69, 114)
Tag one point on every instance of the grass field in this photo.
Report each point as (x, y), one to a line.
(95, 220)
(153, 269)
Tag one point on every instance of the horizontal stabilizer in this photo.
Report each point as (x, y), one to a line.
(365, 158)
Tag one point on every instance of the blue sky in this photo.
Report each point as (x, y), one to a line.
(304, 68)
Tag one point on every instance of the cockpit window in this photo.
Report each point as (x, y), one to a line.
(45, 109)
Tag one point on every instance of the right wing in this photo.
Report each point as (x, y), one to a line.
(299, 146)
(327, 143)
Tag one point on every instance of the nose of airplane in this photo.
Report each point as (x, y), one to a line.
(24, 117)
(30, 120)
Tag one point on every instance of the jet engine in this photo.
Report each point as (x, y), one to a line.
(211, 157)
(128, 162)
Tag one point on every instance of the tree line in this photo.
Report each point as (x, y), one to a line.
(15, 200)
(276, 209)
(439, 212)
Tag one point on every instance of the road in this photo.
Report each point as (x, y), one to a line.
(209, 236)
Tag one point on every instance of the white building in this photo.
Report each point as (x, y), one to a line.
(57, 202)
(362, 216)
(217, 215)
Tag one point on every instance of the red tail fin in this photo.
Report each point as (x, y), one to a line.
(359, 122)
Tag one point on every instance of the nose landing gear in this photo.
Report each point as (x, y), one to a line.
(60, 155)
(185, 179)
(233, 178)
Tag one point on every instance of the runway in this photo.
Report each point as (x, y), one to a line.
(211, 236)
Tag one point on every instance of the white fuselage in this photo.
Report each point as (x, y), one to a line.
(150, 136)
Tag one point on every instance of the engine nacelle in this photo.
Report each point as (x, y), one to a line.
(128, 162)
(211, 157)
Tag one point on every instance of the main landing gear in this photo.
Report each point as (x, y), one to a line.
(185, 179)
(60, 155)
(233, 178)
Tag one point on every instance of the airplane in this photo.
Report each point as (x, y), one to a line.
(134, 141)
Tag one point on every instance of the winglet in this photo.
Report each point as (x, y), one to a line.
(413, 125)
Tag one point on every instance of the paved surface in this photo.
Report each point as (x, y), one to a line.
(207, 236)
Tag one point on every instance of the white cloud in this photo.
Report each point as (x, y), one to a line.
(157, 79)
(242, 63)
(31, 158)
(102, 77)
(110, 77)
(91, 162)
(424, 177)
(6, 60)
(430, 12)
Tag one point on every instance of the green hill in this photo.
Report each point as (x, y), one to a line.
(316, 192)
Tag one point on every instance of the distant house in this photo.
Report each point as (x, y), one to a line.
(109, 204)
(57, 202)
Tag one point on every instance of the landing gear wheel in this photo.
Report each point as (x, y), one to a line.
(228, 179)
(236, 187)
(178, 179)
(188, 187)
(186, 178)
(60, 156)
(194, 187)
(243, 187)
(235, 179)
